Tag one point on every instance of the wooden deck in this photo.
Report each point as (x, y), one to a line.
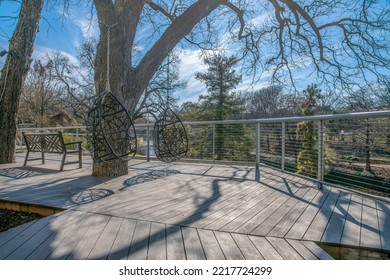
(186, 211)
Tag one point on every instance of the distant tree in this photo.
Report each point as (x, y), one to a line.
(13, 74)
(189, 111)
(272, 102)
(307, 133)
(231, 141)
(75, 78)
(220, 79)
(42, 96)
(367, 133)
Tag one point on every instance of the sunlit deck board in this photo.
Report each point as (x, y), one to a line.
(139, 244)
(211, 247)
(370, 233)
(200, 207)
(284, 248)
(352, 229)
(220, 209)
(65, 246)
(175, 245)
(316, 250)
(279, 213)
(300, 227)
(192, 244)
(158, 196)
(247, 247)
(292, 216)
(384, 224)
(334, 230)
(87, 243)
(157, 244)
(249, 212)
(37, 239)
(181, 203)
(178, 199)
(149, 191)
(302, 249)
(239, 210)
(320, 221)
(228, 246)
(103, 245)
(24, 236)
(58, 235)
(265, 248)
(269, 207)
(121, 245)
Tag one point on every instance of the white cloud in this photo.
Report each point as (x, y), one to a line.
(190, 64)
(88, 27)
(40, 52)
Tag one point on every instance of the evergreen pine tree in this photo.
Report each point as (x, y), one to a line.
(307, 133)
(231, 141)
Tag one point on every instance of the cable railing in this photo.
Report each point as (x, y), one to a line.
(349, 150)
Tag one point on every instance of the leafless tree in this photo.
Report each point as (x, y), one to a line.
(13, 73)
(41, 96)
(76, 79)
(272, 102)
(160, 91)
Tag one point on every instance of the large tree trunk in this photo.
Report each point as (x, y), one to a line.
(128, 82)
(121, 19)
(14, 72)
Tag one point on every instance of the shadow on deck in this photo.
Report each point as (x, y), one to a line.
(186, 211)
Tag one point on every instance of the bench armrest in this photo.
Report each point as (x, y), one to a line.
(73, 143)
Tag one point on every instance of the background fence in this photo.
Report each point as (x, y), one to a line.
(351, 150)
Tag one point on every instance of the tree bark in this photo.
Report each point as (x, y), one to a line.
(14, 72)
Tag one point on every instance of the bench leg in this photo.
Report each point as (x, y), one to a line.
(80, 157)
(63, 162)
(25, 160)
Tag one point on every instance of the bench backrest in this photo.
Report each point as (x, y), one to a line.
(45, 142)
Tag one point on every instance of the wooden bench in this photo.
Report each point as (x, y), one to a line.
(51, 143)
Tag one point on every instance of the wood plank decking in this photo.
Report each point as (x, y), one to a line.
(194, 211)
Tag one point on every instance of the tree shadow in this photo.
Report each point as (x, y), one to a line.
(197, 214)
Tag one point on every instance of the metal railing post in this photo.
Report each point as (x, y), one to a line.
(258, 145)
(321, 158)
(283, 144)
(77, 134)
(147, 143)
(213, 142)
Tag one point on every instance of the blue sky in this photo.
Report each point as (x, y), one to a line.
(67, 33)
